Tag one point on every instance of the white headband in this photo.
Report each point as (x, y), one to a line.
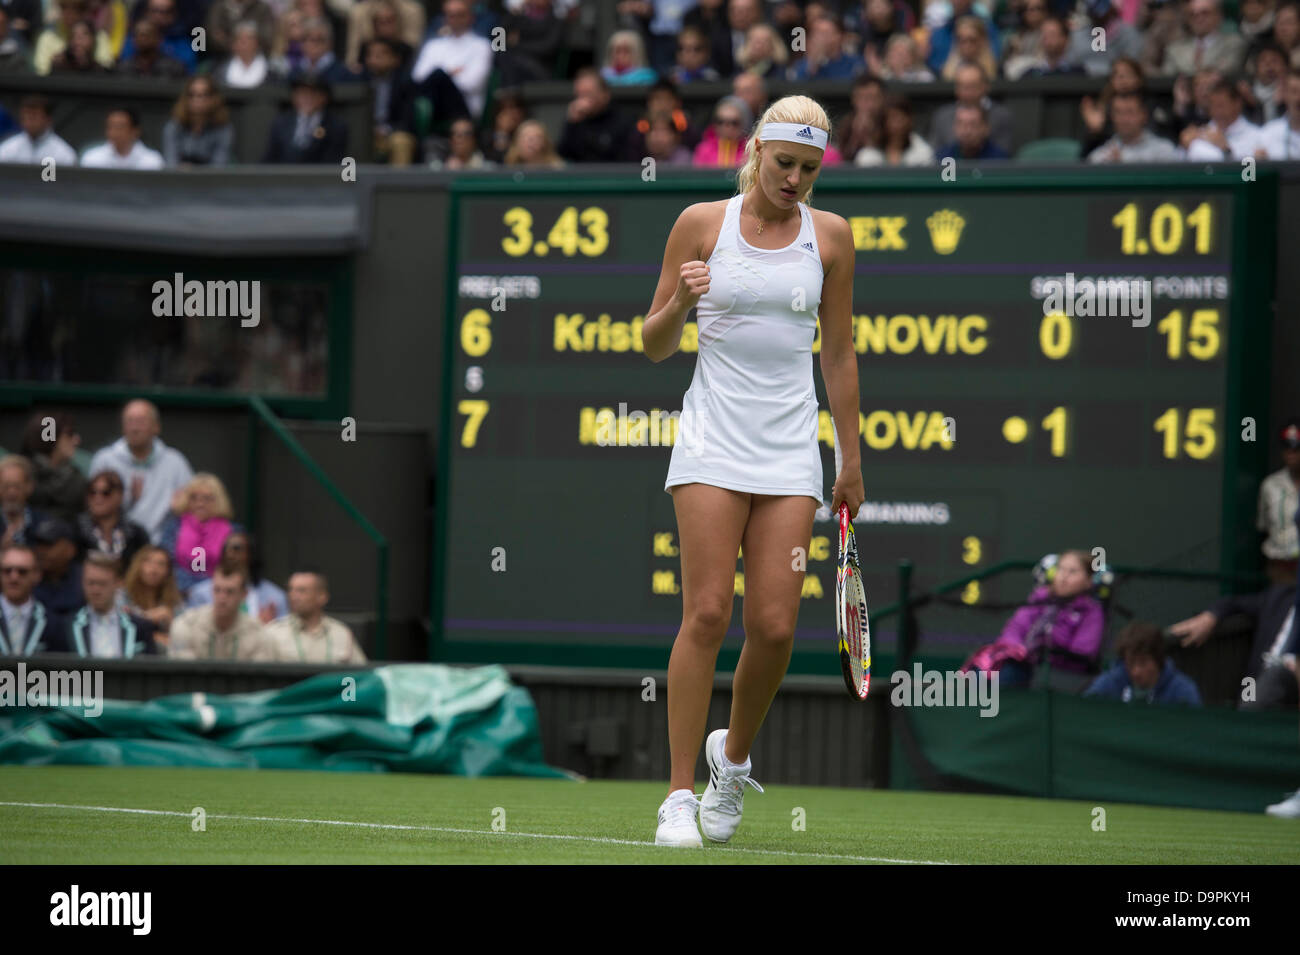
(795, 133)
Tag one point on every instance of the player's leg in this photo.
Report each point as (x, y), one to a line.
(775, 551)
(775, 548)
(710, 522)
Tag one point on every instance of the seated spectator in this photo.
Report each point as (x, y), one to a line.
(54, 38)
(900, 145)
(942, 38)
(148, 60)
(625, 61)
(318, 53)
(903, 62)
(103, 526)
(220, 630)
(1271, 663)
(763, 53)
(1144, 673)
(1256, 24)
(1121, 39)
(1132, 141)
(971, 88)
(111, 18)
(1052, 59)
(1192, 101)
(203, 507)
(55, 543)
(663, 142)
(50, 442)
(401, 22)
(723, 143)
(1062, 623)
(174, 39)
(825, 58)
(532, 147)
(971, 136)
(752, 90)
(123, 148)
(464, 153)
(971, 46)
(151, 472)
(464, 55)
(99, 628)
(1126, 76)
(24, 18)
(741, 16)
(1280, 139)
(510, 112)
(1022, 48)
(17, 517)
(1209, 46)
(199, 132)
(307, 635)
(865, 125)
(224, 15)
(14, 55)
(1279, 500)
(248, 66)
(1286, 32)
(263, 600)
(595, 130)
(150, 590)
(873, 25)
(78, 56)
(1263, 94)
(38, 141)
(1228, 135)
(534, 39)
(310, 133)
(693, 50)
(663, 100)
(710, 18)
(393, 97)
(26, 627)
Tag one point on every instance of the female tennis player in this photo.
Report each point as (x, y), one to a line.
(761, 268)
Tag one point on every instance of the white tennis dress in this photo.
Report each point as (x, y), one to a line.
(749, 418)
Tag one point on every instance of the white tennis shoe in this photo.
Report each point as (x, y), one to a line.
(677, 825)
(721, 805)
(1288, 808)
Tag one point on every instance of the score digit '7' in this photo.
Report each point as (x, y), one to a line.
(476, 410)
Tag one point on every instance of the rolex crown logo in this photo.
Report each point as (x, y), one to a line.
(945, 230)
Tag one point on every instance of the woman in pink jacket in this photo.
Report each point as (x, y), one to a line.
(1063, 619)
(204, 509)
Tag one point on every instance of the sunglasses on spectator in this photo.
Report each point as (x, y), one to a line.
(20, 571)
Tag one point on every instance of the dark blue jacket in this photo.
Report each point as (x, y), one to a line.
(1174, 686)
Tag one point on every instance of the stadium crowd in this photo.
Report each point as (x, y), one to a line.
(447, 79)
(130, 552)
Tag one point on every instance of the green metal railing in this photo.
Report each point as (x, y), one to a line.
(260, 412)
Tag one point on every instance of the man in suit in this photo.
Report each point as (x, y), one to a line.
(971, 89)
(1273, 652)
(26, 627)
(1208, 47)
(100, 628)
(310, 133)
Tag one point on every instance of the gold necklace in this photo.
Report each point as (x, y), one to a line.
(761, 223)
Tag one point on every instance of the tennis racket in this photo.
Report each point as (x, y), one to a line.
(851, 623)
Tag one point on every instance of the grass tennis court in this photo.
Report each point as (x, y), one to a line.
(301, 817)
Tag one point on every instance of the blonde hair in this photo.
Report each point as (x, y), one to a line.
(633, 39)
(788, 109)
(213, 483)
(138, 595)
(780, 55)
(548, 157)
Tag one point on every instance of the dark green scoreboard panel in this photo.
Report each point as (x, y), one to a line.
(988, 429)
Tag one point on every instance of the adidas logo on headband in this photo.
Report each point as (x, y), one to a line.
(805, 133)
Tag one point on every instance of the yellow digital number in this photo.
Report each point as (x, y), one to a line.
(1200, 438)
(475, 410)
(1055, 335)
(971, 592)
(520, 222)
(1166, 230)
(1056, 423)
(1202, 339)
(972, 550)
(574, 232)
(596, 221)
(476, 333)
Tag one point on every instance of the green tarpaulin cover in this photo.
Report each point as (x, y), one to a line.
(421, 718)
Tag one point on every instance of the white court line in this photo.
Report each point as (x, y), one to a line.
(471, 832)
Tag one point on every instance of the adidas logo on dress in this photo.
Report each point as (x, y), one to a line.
(808, 246)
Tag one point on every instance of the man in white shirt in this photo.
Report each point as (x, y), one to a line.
(1280, 139)
(1228, 136)
(26, 627)
(1132, 141)
(38, 141)
(459, 52)
(123, 149)
(100, 628)
(307, 635)
(1279, 499)
(150, 471)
